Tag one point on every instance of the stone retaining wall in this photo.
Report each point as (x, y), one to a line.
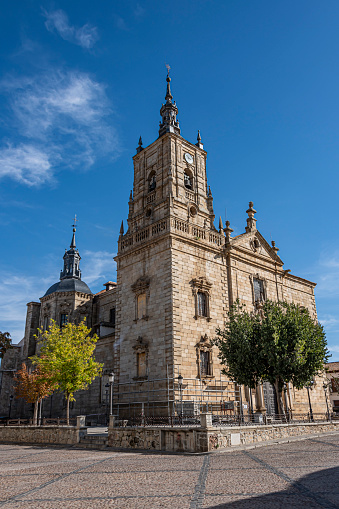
(39, 434)
(223, 437)
(211, 438)
(172, 439)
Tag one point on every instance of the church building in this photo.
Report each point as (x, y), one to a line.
(177, 276)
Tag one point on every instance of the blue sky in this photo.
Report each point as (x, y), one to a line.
(81, 81)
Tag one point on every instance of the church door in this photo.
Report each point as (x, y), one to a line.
(270, 398)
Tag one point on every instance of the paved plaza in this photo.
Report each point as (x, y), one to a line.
(300, 474)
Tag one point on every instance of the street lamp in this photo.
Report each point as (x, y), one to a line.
(328, 411)
(10, 405)
(310, 384)
(106, 399)
(180, 379)
(111, 382)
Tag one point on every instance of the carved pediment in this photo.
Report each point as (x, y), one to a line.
(201, 283)
(255, 243)
(141, 284)
(141, 345)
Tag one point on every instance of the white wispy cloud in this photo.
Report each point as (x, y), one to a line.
(57, 21)
(139, 11)
(328, 274)
(98, 265)
(25, 164)
(15, 291)
(61, 118)
(330, 322)
(120, 23)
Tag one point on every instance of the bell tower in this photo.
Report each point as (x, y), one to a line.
(166, 255)
(170, 177)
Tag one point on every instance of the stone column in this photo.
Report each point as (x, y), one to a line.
(81, 421)
(206, 420)
(259, 399)
(111, 421)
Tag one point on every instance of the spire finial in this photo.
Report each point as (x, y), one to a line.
(168, 96)
(276, 249)
(221, 227)
(122, 228)
(169, 111)
(199, 144)
(228, 232)
(140, 147)
(75, 220)
(251, 219)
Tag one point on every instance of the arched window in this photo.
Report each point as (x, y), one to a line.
(188, 180)
(152, 182)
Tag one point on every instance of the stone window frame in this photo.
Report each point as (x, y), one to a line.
(204, 345)
(45, 322)
(142, 285)
(112, 314)
(264, 281)
(141, 346)
(190, 174)
(151, 174)
(201, 285)
(63, 321)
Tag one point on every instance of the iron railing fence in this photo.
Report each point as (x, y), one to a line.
(58, 421)
(164, 421)
(97, 420)
(221, 420)
(287, 418)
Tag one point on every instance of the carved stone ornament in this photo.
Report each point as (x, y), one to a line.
(141, 284)
(255, 245)
(141, 345)
(202, 284)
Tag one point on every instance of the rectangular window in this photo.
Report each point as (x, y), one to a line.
(202, 304)
(112, 316)
(141, 306)
(258, 287)
(63, 319)
(141, 364)
(205, 365)
(45, 324)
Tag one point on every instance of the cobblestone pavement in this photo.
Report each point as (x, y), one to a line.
(302, 474)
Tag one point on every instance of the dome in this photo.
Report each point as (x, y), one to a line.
(69, 285)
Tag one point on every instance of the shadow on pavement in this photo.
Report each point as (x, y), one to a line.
(319, 489)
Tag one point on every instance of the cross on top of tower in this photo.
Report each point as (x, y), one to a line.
(75, 220)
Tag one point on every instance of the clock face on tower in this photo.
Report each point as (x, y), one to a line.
(188, 158)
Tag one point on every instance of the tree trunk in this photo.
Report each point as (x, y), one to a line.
(67, 409)
(281, 409)
(40, 411)
(35, 413)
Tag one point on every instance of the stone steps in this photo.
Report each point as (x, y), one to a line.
(94, 441)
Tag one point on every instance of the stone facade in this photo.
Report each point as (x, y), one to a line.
(177, 275)
(332, 383)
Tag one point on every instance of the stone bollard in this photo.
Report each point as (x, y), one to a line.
(206, 420)
(81, 421)
(111, 421)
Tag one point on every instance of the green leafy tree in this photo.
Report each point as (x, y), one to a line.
(5, 343)
(67, 353)
(282, 343)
